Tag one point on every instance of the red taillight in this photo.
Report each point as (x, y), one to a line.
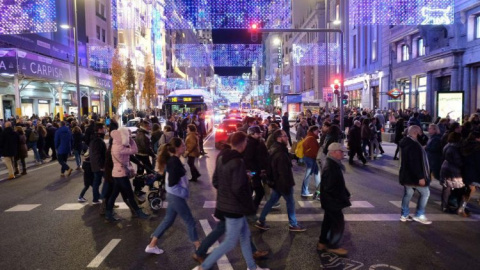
(220, 130)
(232, 125)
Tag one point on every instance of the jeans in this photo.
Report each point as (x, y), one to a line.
(274, 199)
(78, 159)
(422, 200)
(36, 155)
(237, 229)
(62, 159)
(97, 180)
(312, 169)
(365, 143)
(177, 206)
(213, 237)
(333, 225)
(122, 184)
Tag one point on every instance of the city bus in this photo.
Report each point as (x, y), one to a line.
(189, 101)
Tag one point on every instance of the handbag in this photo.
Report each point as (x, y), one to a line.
(131, 172)
(455, 182)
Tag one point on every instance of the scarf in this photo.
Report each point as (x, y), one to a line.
(426, 165)
(337, 161)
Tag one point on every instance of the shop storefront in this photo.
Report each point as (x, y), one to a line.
(41, 85)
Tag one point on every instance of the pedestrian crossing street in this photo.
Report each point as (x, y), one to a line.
(275, 217)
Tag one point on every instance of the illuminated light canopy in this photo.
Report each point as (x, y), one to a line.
(100, 57)
(401, 12)
(27, 16)
(216, 14)
(218, 55)
(312, 54)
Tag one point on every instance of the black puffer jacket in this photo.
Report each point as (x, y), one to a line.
(255, 155)
(234, 195)
(471, 162)
(453, 163)
(335, 195)
(98, 152)
(281, 163)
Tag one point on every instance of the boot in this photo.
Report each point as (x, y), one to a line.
(17, 172)
(110, 216)
(140, 214)
(24, 171)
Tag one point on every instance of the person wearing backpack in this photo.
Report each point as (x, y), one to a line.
(310, 149)
(32, 138)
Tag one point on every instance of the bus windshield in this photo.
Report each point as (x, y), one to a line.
(184, 108)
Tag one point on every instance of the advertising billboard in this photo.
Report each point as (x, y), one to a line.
(450, 105)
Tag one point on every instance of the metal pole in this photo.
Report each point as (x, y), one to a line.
(281, 74)
(77, 71)
(342, 88)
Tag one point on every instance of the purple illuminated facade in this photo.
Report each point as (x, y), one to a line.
(27, 16)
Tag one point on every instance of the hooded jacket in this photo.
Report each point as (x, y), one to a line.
(255, 156)
(234, 195)
(281, 168)
(122, 147)
(412, 167)
(310, 145)
(145, 147)
(63, 140)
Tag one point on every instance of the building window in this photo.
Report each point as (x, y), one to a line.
(103, 35)
(102, 10)
(420, 47)
(422, 93)
(97, 7)
(405, 55)
(477, 27)
(374, 43)
(354, 51)
(98, 32)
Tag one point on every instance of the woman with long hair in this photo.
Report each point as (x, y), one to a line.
(177, 195)
(193, 151)
(42, 133)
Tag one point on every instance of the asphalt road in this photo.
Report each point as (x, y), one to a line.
(44, 237)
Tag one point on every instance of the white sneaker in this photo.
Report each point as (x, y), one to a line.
(422, 219)
(379, 156)
(405, 219)
(153, 250)
(82, 199)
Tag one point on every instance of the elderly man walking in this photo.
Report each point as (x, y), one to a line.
(414, 175)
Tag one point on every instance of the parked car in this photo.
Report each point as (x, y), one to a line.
(227, 127)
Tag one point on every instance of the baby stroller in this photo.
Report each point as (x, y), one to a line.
(156, 195)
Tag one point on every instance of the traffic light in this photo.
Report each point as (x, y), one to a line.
(254, 32)
(268, 101)
(345, 99)
(336, 86)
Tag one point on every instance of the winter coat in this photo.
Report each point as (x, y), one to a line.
(108, 165)
(202, 130)
(310, 145)
(399, 131)
(366, 132)
(50, 138)
(255, 155)
(89, 133)
(301, 132)
(335, 195)
(471, 162)
(412, 167)
(234, 194)
(63, 140)
(285, 124)
(145, 147)
(354, 138)
(435, 154)
(281, 167)
(453, 162)
(22, 147)
(122, 147)
(98, 151)
(191, 143)
(9, 142)
(156, 135)
(77, 141)
(329, 139)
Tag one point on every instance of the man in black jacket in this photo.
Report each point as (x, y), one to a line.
(414, 175)
(280, 172)
(145, 148)
(9, 141)
(355, 143)
(334, 197)
(97, 152)
(256, 161)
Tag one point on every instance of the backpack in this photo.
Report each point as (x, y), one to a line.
(33, 137)
(299, 149)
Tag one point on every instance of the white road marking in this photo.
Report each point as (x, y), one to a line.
(316, 204)
(71, 206)
(370, 217)
(23, 208)
(35, 169)
(223, 263)
(399, 204)
(104, 253)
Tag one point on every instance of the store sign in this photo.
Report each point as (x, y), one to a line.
(327, 94)
(277, 89)
(294, 99)
(450, 105)
(395, 93)
(41, 101)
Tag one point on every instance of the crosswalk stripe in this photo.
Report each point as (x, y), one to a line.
(399, 204)
(23, 208)
(71, 206)
(369, 217)
(316, 204)
(213, 204)
(104, 253)
(223, 263)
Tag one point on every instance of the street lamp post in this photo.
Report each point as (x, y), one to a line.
(77, 69)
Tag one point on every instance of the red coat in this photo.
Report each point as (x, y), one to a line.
(311, 145)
